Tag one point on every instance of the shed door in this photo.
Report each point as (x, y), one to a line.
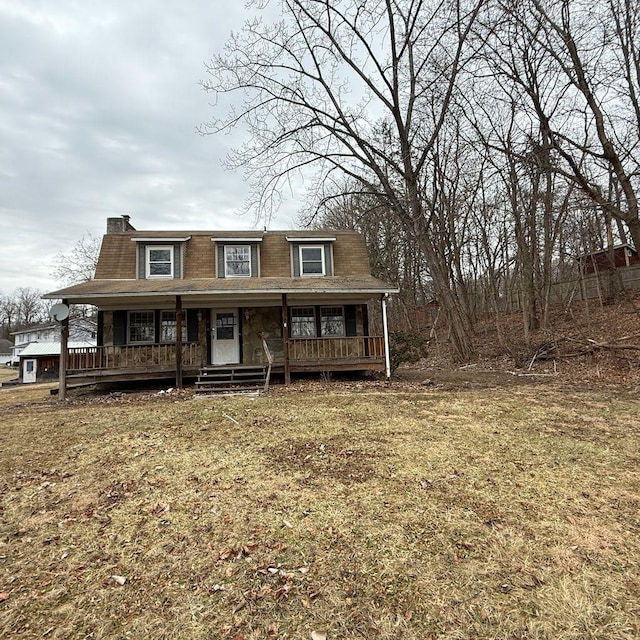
(29, 369)
(225, 343)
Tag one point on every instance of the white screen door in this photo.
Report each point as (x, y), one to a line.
(225, 345)
(29, 369)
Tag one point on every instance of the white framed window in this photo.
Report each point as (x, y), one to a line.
(159, 261)
(237, 261)
(303, 322)
(168, 326)
(312, 261)
(331, 321)
(141, 327)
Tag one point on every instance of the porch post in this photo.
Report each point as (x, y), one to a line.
(62, 368)
(385, 331)
(202, 337)
(178, 342)
(285, 338)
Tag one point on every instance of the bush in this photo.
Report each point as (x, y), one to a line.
(406, 348)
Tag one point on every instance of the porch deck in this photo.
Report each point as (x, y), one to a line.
(89, 365)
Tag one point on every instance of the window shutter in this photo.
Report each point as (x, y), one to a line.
(295, 252)
(142, 267)
(192, 325)
(350, 322)
(220, 251)
(177, 261)
(328, 255)
(119, 327)
(254, 261)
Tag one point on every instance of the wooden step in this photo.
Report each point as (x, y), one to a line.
(234, 368)
(232, 375)
(226, 383)
(231, 379)
(230, 389)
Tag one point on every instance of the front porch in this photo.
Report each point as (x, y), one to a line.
(121, 363)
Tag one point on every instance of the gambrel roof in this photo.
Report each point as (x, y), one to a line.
(118, 273)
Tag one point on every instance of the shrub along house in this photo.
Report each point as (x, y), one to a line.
(203, 303)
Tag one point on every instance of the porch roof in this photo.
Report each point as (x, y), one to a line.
(95, 290)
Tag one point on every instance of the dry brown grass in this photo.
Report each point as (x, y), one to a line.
(361, 512)
(7, 373)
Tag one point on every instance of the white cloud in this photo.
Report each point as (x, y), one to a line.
(99, 104)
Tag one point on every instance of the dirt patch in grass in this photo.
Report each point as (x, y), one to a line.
(334, 458)
(357, 510)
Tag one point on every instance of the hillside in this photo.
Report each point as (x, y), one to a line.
(583, 344)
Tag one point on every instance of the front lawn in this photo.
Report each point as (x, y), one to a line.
(353, 511)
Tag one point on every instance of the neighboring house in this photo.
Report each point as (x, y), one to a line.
(623, 255)
(35, 360)
(6, 350)
(228, 299)
(47, 332)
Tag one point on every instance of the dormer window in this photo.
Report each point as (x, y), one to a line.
(237, 257)
(237, 261)
(160, 257)
(160, 261)
(312, 262)
(311, 256)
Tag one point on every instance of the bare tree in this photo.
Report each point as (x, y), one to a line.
(79, 264)
(584, 92)
(8, 314)
(30, 307)
(313, 89)
(392, 255)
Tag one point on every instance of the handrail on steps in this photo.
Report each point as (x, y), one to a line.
(269, 357)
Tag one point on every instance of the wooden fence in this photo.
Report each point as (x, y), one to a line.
(603, 285)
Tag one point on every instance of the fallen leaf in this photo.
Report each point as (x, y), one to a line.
(4, 595)
(225, 554)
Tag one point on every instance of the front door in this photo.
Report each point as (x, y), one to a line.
(29, 369)
(225, 343)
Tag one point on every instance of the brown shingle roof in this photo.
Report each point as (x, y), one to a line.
(198, 286)
(116, 270)
(118, 252)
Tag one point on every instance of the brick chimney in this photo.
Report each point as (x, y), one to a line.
(119, 225)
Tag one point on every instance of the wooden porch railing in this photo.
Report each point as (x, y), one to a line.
(317, 349)
(149, 356)
(139, 356)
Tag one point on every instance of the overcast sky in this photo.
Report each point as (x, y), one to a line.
(99, 104)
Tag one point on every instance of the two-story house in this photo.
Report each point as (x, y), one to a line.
(42, 332)
(177, 303)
